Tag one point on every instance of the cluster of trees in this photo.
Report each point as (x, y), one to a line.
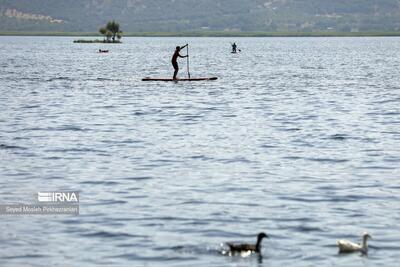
(111, 31)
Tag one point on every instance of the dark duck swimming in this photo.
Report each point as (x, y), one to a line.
(243, 248)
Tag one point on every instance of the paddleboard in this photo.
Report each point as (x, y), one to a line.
(179, 80)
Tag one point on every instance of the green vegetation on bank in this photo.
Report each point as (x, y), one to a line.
(260, 34)
(195, 15)
(96, 41)
(205, 34)
(110, 32)
(34, 33)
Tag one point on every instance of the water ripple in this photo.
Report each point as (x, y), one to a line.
(298, 137)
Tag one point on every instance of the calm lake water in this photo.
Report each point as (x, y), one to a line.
(299, 137)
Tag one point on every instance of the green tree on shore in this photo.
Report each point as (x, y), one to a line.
(111, 30)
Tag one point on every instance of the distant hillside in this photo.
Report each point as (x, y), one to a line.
(195, 15)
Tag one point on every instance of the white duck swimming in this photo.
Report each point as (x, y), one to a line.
(346, 246)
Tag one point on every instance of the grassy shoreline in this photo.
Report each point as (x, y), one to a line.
(210, 34)
(96, 41)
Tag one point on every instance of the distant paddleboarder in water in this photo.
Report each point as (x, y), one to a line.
(235, 49)
(174, 59)
(234, 46)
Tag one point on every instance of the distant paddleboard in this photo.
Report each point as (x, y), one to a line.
(179, 80)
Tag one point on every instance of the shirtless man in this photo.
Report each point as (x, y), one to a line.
(174, 59)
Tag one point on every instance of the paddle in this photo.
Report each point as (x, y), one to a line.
(187, 50)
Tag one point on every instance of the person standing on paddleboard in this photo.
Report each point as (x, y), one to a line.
(175, 57)
(234, 46)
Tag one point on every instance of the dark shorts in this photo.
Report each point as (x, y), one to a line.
(175, 65)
